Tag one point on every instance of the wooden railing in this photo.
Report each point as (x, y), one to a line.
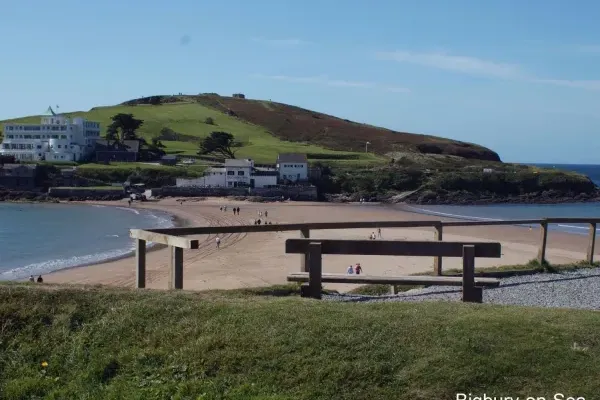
(176, 240)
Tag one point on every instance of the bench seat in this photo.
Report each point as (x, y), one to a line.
(395, 280)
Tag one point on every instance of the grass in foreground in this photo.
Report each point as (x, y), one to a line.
(119, 344)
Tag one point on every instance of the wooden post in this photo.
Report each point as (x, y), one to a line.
(304, 233)
(176, 281)
(543, 241)
(592, 243)
(470, 292)
(140, 257)
(315, 270)
(437, 261)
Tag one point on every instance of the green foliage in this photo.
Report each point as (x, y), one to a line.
(220, 143)
(187, 118)
(68, 343)
(151, 175)
(209, 121)
(124, 126)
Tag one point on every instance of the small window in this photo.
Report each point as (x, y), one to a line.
(241, 173)
(230, 172)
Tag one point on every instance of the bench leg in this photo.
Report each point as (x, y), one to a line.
(393, 290)
(470, 293)
(314, 270)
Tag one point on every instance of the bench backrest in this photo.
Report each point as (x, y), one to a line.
(394, 247)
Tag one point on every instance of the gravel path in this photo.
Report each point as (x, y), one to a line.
(575, 289)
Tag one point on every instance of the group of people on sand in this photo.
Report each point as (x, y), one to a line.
(354, 269)
(372, 236)
(39, 279)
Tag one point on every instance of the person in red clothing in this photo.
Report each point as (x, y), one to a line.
(358, 269)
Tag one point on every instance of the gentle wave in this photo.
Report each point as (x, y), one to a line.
(158, 219)
(55, 265)
(457, 216)
(133, 210)
(473, 218)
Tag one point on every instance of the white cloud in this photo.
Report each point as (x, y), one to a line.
(463, 64)
(579, 84)
(324, 80)
(480, 67)
(281, 42)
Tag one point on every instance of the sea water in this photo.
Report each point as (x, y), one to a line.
(527, 211)
(40, 238)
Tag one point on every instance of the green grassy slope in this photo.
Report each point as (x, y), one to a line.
(120, 344)
(188, 119)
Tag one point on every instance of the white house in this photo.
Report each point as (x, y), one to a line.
(56, 138)
(292, 167)
(235, 173)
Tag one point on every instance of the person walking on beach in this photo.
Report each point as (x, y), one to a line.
(221, 208)
(350, 270)
(218, 240)
(234, 210)
(358, 269)
(31, 278)
(238, 211)
(39, 279)
(379, 233)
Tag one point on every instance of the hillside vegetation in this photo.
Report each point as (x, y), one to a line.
(70, 343)
(295, 124)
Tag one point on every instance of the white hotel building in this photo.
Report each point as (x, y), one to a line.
(56, 138)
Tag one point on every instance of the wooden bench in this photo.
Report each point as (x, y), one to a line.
(313, 249)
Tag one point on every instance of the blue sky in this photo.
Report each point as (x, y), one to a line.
(521, 77)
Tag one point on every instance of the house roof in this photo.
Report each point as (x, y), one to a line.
(238, 163)
(49, 112)
(292, 158)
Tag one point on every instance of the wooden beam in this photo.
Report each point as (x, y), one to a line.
(470, 293)
(394, 248)
(591, 243)
(314, 270)
(437, 261)
(207, 230)
(543, 242)
(305, 234)
(492, 223)
(167, 239)
(140, 261)
(425, 280)
(176, 268)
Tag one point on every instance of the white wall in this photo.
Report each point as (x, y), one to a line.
(233, 176)
(264, 180)
(293, 171)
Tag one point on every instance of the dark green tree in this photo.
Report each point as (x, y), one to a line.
(125, 126)
(222, 143)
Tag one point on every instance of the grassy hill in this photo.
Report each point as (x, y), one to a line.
(83, 343)
(267, 128)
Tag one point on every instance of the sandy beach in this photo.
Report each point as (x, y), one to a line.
(258, 259)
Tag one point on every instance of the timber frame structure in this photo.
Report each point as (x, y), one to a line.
(176, 240)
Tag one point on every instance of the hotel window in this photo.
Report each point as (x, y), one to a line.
(241, 173)
(63, 136)
(59, 146)
(230, 172)
(54, 136)
(39, 146)
(10, 136)
(37, 136)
